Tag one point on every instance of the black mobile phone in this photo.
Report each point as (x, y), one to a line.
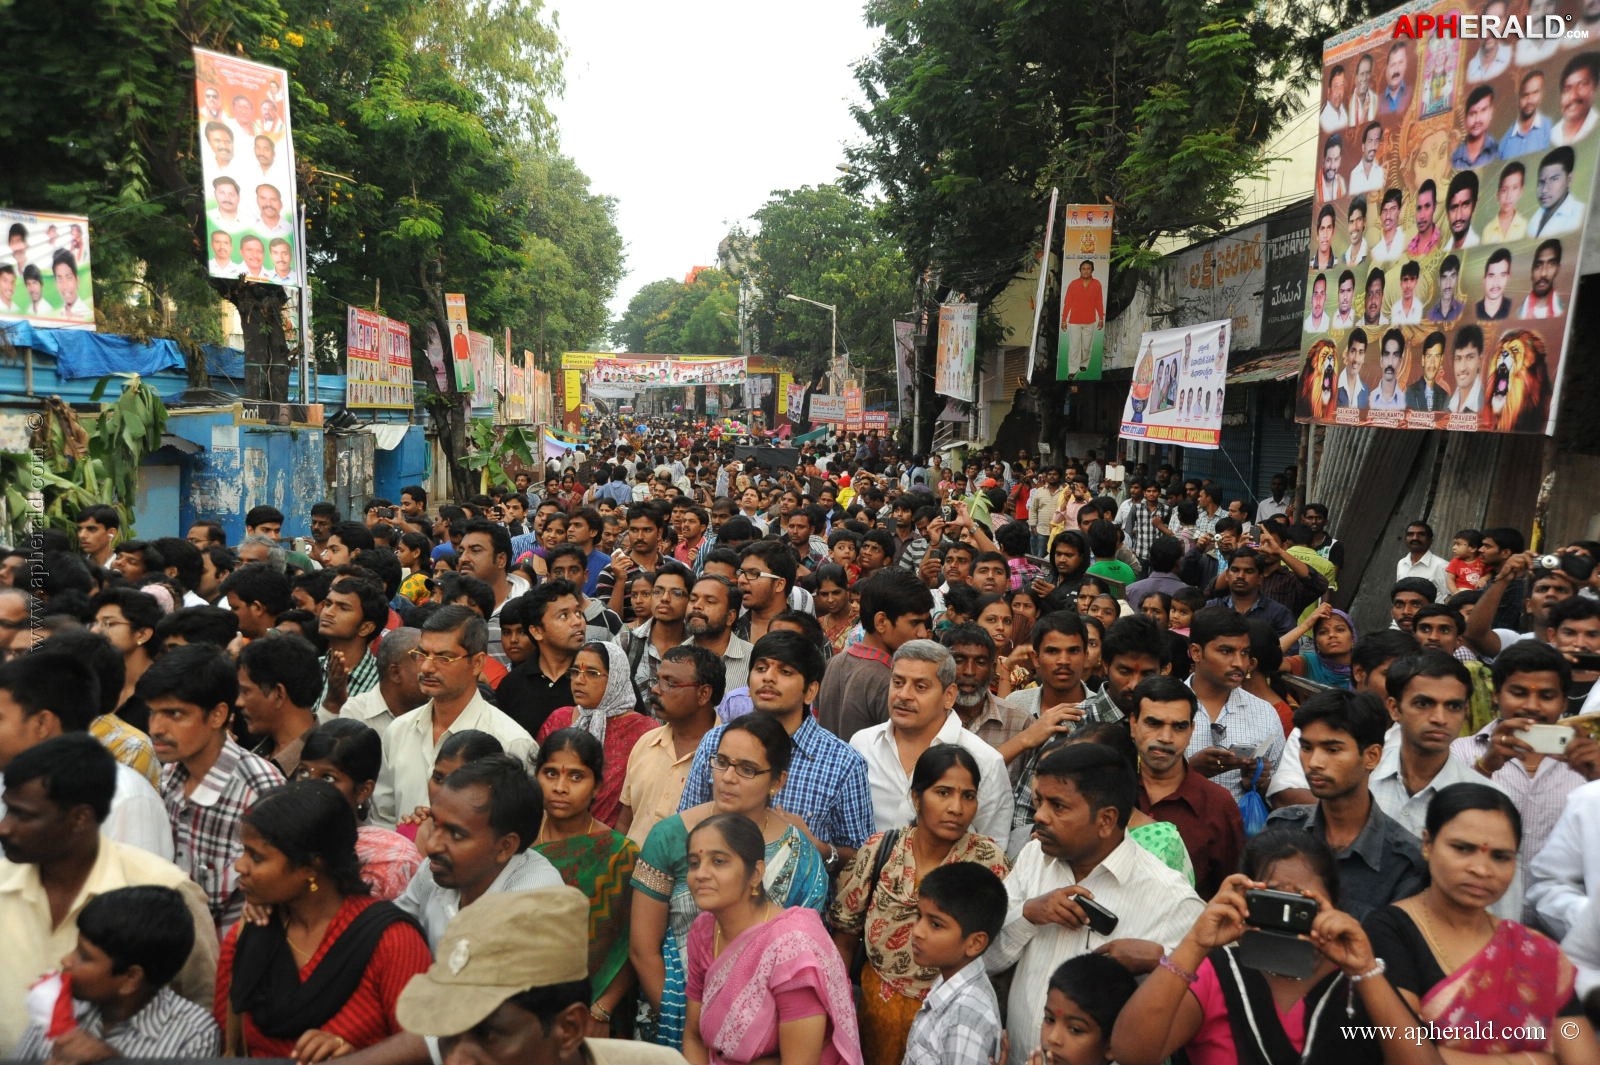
(1276, 952)
(1280, 911)
(1101, 920)
(1587, 661)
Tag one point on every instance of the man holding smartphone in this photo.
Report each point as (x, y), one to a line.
(1517, 750)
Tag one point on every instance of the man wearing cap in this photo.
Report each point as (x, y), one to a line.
(510, 984)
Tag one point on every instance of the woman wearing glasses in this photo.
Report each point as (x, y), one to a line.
(608, 709)
(748, 770)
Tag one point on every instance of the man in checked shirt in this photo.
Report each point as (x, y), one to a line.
(207, 780)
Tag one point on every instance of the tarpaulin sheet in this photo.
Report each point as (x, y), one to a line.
(83, 354)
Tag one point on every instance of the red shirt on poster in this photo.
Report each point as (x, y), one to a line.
(1083, 302)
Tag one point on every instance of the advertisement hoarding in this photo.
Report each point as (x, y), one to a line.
(44, 271)
(1178, 386)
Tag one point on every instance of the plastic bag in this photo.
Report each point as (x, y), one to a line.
(1252, 807)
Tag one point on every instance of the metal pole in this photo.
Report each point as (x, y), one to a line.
(833, 347)
(916, 403)
(305, 311)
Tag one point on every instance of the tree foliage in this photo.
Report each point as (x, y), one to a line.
(831, 246)
(667, 317)
(975, 108)
(426, 156)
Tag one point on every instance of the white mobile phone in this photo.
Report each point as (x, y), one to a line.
(1547, 739)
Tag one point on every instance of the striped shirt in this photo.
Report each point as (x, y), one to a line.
(363, 678)
(959, 1022)
(205, 823)
(826, 786)
(169, 1026)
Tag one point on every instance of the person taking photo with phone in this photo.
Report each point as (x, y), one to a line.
(1204, 1000)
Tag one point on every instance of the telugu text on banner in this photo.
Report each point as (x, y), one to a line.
(1178, 386)
(1447, 223)
(247, 169)
(1085, 267)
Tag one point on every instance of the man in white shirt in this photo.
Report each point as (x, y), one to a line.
(450, 653)
(221, 263)
(1345, 316)
(1231, 724)
(1081, 850)
(1578, 116)
(1429, 694)
(1363, 98)
(1421, 561)
(397, 692)
(1407, 310)
(922, 697)
(1493, 57)
(225, 191)
(1356, 252)
(1391, 354)
(1317, 320)
(1558, 212)
(1467, 361)
(484, 821)
(1392, 241)
(1367, 176)
(1335, 116)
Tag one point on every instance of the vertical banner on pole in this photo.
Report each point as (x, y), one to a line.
(1085, 267)
(1044, 277)
(955, 369)
(905, 366)
(460, 341)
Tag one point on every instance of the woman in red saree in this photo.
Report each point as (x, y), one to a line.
(1496, 989)
(763, 982)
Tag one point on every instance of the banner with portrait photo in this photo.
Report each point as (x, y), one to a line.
(455, 312)
(44, 271)
(1448, 219)
(484, 378)
(247, 168)
(1085, 267)
(377, 361)
(669, 373)
(1179, 383)
(955, 365)
(905, 365)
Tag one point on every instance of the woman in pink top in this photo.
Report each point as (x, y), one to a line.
(1202, 999)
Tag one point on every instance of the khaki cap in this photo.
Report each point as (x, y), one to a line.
(500, 946)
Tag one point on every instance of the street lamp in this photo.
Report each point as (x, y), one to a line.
(833, 347)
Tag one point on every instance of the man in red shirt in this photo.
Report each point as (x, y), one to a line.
(1082, 315)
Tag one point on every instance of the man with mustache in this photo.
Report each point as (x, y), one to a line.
(1230, 724)
(689, 684)
(713, 604)
(1205, 814)
(450, 654)
(1391, 355)
(1081, 850)
(1341, 742)
(1542, 301)
(485, 817)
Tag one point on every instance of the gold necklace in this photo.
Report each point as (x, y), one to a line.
(1423, 907)
(716, 939)
(588, 830)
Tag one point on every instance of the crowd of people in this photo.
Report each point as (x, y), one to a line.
(828, 755)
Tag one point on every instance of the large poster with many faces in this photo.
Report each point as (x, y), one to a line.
(1448, 215)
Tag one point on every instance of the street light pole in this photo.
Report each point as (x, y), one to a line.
(833, 346)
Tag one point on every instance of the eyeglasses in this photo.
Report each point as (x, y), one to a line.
(421, 656)
(669, 593)
(757, 575)
(746, 770)
(97, 623)
(593, 674)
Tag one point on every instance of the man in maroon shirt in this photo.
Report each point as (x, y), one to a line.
(1205, 814)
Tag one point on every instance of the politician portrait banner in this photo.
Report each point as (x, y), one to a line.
(668, 373)
(247, 168)
(1178, 386)
(377, 361)
(1085, 266)
(1447, 223)
(954, 367)
(44, 270)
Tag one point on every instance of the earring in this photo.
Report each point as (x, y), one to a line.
(755, 892)
(312, 886)
(361, 811)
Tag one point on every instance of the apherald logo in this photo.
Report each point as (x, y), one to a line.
(1480, 27)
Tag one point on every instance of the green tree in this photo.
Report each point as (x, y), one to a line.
(829, 245)
(670, 317)
(974, 110)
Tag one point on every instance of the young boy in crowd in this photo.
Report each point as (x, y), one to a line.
(131, 943)
(1086, 995)
(1466, 570)
(960, 909)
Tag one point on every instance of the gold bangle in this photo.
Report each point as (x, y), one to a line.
(600, 1013)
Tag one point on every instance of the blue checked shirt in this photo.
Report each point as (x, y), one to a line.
(827, 785)
(959, 1022)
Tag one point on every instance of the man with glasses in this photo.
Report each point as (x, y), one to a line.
(450, 653)
(766, 573)
(664, 629)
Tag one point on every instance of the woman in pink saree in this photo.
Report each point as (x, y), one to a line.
(764, 983)
(1492, 988)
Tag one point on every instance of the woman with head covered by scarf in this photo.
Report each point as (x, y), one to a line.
(1335, 637)
(608, 709)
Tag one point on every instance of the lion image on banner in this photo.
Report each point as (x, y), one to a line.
(1519, 397)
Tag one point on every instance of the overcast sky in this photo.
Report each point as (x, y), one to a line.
(691, 113)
